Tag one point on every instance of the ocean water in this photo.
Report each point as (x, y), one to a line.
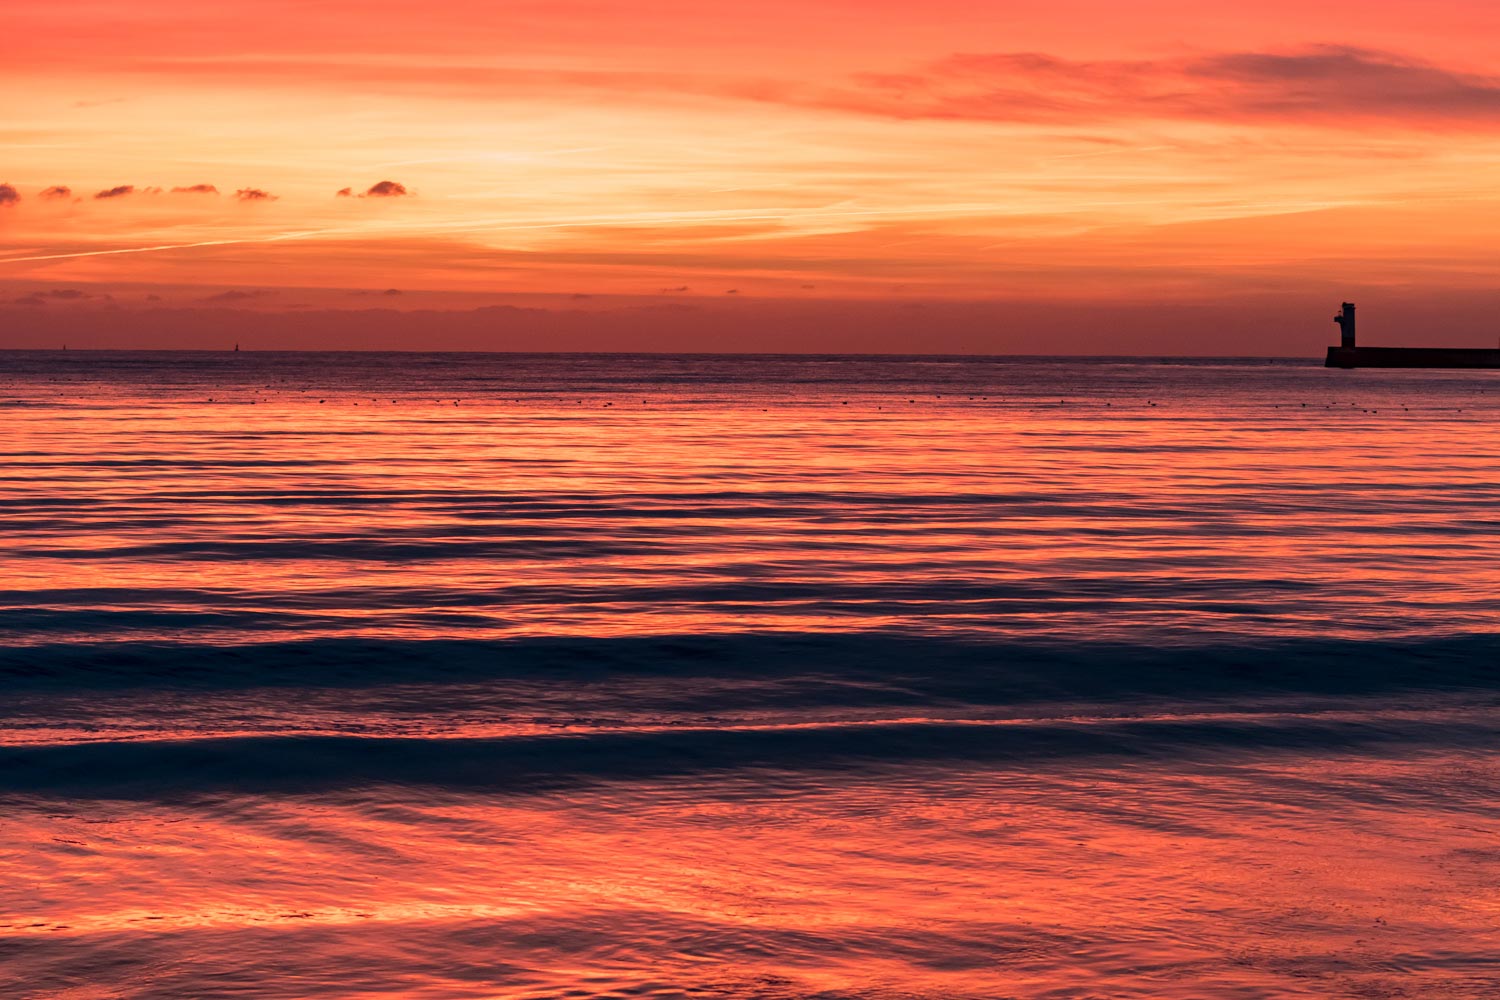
(478, 676)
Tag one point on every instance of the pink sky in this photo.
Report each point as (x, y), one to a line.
(1069, 175)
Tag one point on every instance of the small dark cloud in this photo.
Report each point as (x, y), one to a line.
(386, 189)
(733, 291)
(196, 189)
(382, 189)
(153, 298)
(679, 288)
(56, 192)
(116, 192)
(254, 194)
(58, 295)
(151, 190)
(391, 291)
(63, 294)
(581, 295)
(388, 291)
(9, 195)
(235, 295)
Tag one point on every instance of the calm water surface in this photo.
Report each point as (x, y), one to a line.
(480, 676)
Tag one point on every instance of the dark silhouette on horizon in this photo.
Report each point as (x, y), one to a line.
(1345, 320)
(1349, 355)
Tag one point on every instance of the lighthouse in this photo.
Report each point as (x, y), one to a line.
(1345, 320)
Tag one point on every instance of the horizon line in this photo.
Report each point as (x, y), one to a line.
(674, 354)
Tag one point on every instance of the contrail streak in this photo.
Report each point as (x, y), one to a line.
(105, 253)
(770, 215)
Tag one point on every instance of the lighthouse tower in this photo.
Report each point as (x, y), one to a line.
(1345, 320)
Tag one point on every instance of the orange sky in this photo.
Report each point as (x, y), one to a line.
(1017, 172)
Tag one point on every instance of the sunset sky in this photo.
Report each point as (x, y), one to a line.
(1076, 176)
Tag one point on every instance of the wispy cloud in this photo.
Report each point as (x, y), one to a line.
(254, 194)
(1327, 83)
(236, 295)
(120, 191)
(59, 295)
(9, 195)
(1332, 83)
(196, 189)
(56, 192)
(507, 225)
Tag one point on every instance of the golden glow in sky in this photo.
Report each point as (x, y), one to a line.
(283, 156)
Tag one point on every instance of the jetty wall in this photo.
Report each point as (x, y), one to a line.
(1412, 357)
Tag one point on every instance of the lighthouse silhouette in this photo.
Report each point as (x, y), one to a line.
(1345, 320)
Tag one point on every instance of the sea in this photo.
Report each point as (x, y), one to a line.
(456, 676)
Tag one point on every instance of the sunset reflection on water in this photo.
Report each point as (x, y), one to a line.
(476, 676)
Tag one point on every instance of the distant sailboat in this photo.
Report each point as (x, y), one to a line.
(236, 346)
